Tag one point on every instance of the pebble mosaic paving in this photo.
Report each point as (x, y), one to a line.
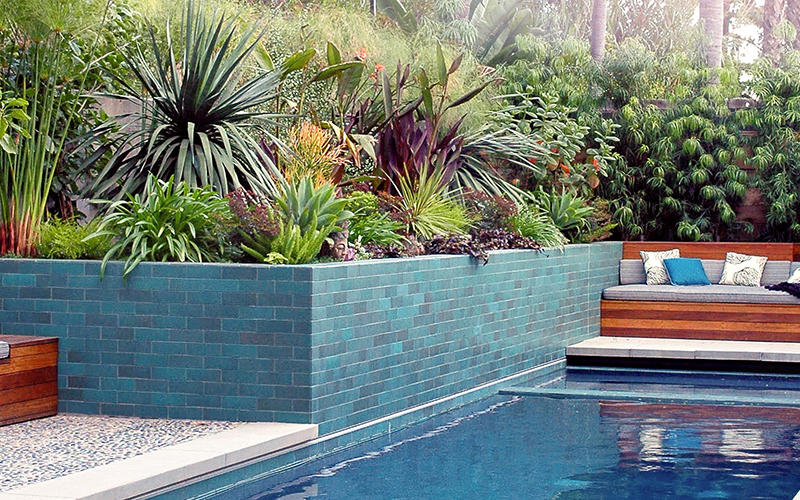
(52, 447)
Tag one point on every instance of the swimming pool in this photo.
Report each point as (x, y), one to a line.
(533, 447)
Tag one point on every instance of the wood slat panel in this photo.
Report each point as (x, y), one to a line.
(19, 352)
(25, 340)
(709, 250)
(29, 377)
(708, 334)
(30, 363)
(702, 321)
(721, 326)
(28, 393)
(722, 307)
(27, 410)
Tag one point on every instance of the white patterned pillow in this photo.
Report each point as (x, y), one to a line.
(795, 277)
(741, 269)
(654, 265)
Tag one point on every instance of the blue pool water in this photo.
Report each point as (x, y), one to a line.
(531, 447)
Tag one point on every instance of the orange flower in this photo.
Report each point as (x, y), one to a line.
(554, 150)
(594, 162)
(532, 160)
(565, 168)
(379, 68)
(361, 55)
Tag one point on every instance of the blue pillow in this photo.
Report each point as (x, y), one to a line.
(686, 272)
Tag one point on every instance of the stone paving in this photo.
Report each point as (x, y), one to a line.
(52, 447)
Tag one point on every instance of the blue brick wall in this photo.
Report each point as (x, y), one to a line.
(332, 344)
(183, 341)
(388, 335)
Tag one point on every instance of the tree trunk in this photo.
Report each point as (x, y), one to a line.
(793, 15)
(598, 40)
(712, 14)
(773, 15)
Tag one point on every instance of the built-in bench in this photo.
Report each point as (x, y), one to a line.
(28, 378)
(715, 312)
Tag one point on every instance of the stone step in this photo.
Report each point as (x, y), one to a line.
(642, 349)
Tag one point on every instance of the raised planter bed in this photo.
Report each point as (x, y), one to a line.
(331, 344)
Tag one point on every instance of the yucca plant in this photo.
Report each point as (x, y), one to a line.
(427, 207)
(169, 221)
(196, 111)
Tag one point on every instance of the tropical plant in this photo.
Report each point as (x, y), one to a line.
(532, 222)
(488, 212)
(776, 147)
(42, 74)
(68, 239)
(488, 28)
(312, 152)
(197, 112)
(569, 212)
(368, 225)
(310, 207)
(427, 208)
(168, 221)
(293, 246)
(258, 222)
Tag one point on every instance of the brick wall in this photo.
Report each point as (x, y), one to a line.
(333, 344)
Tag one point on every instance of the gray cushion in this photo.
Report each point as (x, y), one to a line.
(631, 271)
(3, 350)
(710, 293)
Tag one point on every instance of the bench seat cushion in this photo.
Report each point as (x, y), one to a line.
(698, 293)
(631, 271)
(3, 349)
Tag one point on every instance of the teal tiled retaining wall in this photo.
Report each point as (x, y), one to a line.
(332, 344)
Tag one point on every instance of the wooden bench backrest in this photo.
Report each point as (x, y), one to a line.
(713, 250)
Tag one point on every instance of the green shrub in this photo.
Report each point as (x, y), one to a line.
(532, 222)
(569, 212)
(428, 209)
(67, 239)
(167, 222)
(311, 207)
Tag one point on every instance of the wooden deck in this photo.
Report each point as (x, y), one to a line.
(28, 379)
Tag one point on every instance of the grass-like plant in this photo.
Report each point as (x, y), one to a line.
(532, 222)
(169, 221)
(68, 239)
(196, 111)
(427, 207)
(45, 75)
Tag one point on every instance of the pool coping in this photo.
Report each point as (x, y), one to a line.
(148, 473)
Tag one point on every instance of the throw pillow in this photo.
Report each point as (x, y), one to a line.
(795, 277)
(686, 272)
(741, 269)
(654, 265)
